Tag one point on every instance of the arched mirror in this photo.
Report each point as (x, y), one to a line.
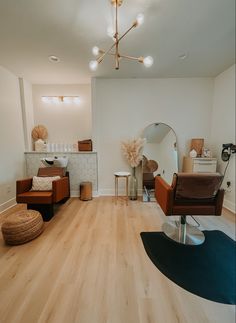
(160, 157)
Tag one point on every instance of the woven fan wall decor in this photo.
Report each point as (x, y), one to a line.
(39, 132)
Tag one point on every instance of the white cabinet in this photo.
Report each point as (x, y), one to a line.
(199, 165)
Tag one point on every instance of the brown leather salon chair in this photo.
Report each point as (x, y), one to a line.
(189, 194)
(43, 201)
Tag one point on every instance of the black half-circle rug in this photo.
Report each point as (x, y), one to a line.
(207, 270)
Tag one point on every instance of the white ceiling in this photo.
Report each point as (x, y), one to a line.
(31, 30)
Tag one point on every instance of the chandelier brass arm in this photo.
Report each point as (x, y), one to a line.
(147, 61)
(139, 59)
(117, 38)
(100, 51)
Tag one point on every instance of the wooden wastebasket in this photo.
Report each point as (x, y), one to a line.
(86, 191)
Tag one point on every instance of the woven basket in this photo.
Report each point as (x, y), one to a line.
(22, 226)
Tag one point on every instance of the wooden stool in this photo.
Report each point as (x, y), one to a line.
(125, 175)
(86, 191)
(22, 226)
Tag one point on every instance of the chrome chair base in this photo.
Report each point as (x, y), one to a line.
(183, 233)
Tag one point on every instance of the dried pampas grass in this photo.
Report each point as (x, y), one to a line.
(132, 150)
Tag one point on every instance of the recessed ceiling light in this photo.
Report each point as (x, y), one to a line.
(183, 56)
(54, 59)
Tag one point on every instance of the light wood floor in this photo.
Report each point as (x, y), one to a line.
(89, 266)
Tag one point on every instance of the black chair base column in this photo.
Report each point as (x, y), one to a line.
(183, 232)
(46, 210)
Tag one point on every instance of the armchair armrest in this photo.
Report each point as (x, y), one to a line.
(164, 194)
(23, 185)
(60, 189)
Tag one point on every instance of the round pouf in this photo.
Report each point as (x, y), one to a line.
(86, 191)
(22, 226)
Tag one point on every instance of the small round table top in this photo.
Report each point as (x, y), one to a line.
(122, 174)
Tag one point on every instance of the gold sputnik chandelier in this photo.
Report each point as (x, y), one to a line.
(147, 61)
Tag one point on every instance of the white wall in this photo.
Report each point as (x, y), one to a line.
(27, 111)
(122, 108)
(11, 138)
(66, 123)
(223, 127)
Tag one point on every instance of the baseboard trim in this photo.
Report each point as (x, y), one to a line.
(7, 205)
(111, 192)
(229, 205)
(76, 194)
(106, 192)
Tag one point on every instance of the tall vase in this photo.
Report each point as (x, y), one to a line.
(133, 185)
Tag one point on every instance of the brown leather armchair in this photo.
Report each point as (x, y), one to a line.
(189, 194)
(43, 201)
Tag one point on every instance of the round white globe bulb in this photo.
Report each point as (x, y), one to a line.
(148, 61)
(95, 51)
(140, 19)
(93, 65)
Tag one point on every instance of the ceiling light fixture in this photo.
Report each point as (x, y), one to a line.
(61, 99)
(183, 56)
(53, 59)
(147, 61)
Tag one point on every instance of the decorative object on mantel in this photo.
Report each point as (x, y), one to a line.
(132, 150)
(147, 61)
(206, 153)
(40, 145)
(85, 145)
(61, 147)
(193, 153)
(197, 144)
(39, 135)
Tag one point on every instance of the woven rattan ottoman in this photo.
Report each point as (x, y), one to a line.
(22, 226)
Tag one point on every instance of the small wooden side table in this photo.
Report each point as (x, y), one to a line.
(126, 176)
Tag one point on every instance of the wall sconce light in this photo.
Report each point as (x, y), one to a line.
(61, 99)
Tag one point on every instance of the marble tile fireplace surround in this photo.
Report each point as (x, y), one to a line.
(82, 166)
